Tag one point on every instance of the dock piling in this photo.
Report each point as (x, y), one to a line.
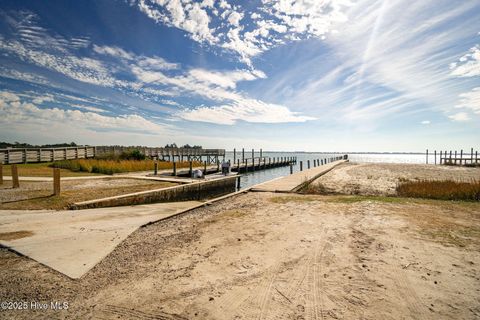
(155, 169)
(56, 181)
(174, 168)
(1, 173)
(301, 165)
(291, 168)
(15, 182)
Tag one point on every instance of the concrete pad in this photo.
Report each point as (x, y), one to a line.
(73, 242)
(295, 181)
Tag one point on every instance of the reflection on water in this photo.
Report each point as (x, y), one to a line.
(253, 178)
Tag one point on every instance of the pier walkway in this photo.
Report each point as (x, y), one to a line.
(296, 181)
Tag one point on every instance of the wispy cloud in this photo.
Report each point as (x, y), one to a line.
(460, 116)
(15, 110)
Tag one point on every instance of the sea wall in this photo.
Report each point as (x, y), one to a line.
(194, 191)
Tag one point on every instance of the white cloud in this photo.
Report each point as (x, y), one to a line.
(225, 79)
(15, 111)
(221, 24)
(234, 18)
(247, 110)
(112, 51)
(189, 17)
(425, 122)
(470, 100)
(468, 65)
(460, 116)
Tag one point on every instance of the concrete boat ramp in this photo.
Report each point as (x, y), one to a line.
(73, 242)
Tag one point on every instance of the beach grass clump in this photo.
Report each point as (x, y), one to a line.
(116, 166)
(440, 190)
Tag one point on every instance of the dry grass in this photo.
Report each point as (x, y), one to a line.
(441, 190)
(41, 170)
(116, 166)
(7, 236)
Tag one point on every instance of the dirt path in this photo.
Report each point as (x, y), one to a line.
(264, 256)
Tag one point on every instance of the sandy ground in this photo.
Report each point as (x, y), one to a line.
(382, 179)
(271, 256)
(38, 195)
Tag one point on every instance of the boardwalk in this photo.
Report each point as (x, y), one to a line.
(295, 181)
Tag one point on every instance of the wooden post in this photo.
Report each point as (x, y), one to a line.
(461, 156)
(301, 165)
(243, 155)
(238, 182)
(56, 181)
(291, 168)
(15, 182)
(314, 163)
(234, 155)
(174, 168)
(261, 152)
(471, 155)
(435, 155)
(308, 164)
(450, 156)
(1, 173)
(155, 171)
(476, 156)
(440, 156)
(218, 165)
(238, 165)
(204, 168)
(246, 165)
(190, 168)
(455, 157)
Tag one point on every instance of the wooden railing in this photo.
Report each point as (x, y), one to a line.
(28, 155)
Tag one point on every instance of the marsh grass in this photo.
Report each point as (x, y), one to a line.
(440, 190)
(116, 166)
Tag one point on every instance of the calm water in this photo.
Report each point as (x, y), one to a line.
(252, 178)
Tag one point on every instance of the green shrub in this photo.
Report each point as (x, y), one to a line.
(134, 154)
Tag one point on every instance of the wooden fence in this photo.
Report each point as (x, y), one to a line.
(28, 155)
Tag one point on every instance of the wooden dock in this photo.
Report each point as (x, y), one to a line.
(453, 157)
(32, 155)
(296, 181)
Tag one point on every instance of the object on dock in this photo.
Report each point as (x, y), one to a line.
(225, 168)
(198, 174)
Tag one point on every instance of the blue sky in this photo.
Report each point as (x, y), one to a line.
(371, 75)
